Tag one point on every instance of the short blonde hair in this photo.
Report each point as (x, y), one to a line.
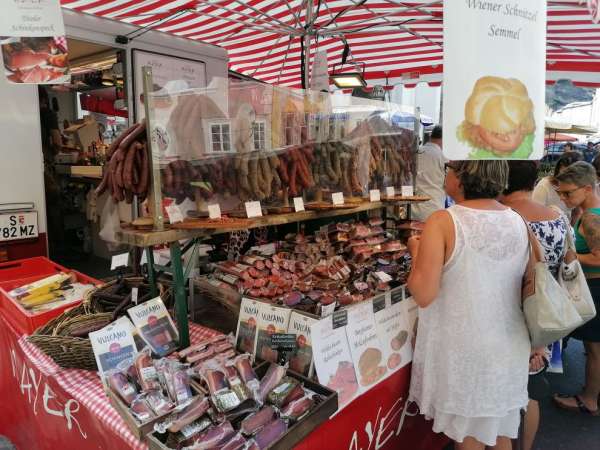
(580, 174)
(482, 179)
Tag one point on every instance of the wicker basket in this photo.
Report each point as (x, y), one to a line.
(67, 351)
(74, 352)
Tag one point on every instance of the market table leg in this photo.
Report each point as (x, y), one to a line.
(151, 273)
(180, 297)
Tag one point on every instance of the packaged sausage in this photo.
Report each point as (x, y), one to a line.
(245, 337)
(146, 372)
(271, 320)
(155, 325)
(120, 385)
(301, 360)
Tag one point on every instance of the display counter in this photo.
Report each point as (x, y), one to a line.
(46, 407)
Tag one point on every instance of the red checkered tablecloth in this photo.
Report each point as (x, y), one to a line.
(85, 387)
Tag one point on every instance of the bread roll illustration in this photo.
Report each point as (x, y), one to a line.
(498, 115)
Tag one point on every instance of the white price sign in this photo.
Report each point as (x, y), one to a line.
(214, 211)
(337, 198)
(16, 226)
(121, 260)
(390, 191)
(298, 204)
(253, 209)
(407, 191)
(375, 195)
(174, 213)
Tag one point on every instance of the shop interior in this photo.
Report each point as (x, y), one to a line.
(79, 121)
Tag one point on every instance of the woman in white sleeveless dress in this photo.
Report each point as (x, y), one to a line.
(471, 360)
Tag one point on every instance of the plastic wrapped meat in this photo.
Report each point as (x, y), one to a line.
(251, 424)
(189, 414)
(244, 367)
(121, 386)
(213, 437)
(237, 442)
(272, 378)
(215, 380)
(278, 395)
(159, 403)
(270, 433)
(296, 409)
(146, 372)
(140, 409)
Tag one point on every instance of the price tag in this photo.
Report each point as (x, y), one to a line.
(144, 258)
(253, 209)
(174, 213)
(390, 191)
(121, 260)
(134, 295)
(339, 318)
(378, 303)
(284, 342)
(298, 204)
(214, 211)
(375, 195)
(397, 295)
(337, 198)
(327, 310)
(407, 191)
(383, 277)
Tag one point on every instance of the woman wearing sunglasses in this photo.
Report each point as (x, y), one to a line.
(471, 360)
(577, 188)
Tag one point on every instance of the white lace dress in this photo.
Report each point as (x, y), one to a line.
(470, 366)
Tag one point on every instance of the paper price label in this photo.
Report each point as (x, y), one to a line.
(337, 198)
(121, 260)
(327, 310)
(407, 191)
(298, 204)
(134, 295)
(253, 209)
(214, 211)
(383, 277)
(375, 195)
(390, 191)
(174, 213)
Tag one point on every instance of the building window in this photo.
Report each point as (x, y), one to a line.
(259, 134)
(332, 135)
(220, 136)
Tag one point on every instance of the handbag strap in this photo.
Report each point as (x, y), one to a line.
(535, 249)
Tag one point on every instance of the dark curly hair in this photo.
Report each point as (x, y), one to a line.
(482, 179)
(566, 160)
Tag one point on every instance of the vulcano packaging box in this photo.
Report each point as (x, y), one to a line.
(155, 325)
(113, 345)
(245, 336)
(301, 360)
(271, 320)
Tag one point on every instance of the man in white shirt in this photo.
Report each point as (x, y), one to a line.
(430, 177)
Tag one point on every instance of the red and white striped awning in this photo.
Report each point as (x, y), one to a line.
(394, 38)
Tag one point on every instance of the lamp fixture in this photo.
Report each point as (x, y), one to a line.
(347, 80)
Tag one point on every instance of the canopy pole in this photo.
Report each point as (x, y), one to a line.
(307, 32)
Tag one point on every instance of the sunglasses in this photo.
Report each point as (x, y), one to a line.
(567, 194)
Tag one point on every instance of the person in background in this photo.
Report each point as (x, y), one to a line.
(590, 152)
(577, 187)
(545, 191)
(471, 359)
(568, 147)
(550, 228)
(596, 164)
(430, 176)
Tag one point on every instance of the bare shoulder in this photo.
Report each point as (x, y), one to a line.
(590, 225)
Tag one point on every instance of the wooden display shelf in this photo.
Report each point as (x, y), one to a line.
(150, 238)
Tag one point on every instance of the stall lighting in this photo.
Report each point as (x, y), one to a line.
(348, 80)
(107, 82)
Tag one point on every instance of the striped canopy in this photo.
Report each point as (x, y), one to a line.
(393, 38)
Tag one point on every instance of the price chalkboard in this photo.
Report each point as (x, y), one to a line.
(340, 319)
(284, 342)
(397, 295)
(378, 303)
